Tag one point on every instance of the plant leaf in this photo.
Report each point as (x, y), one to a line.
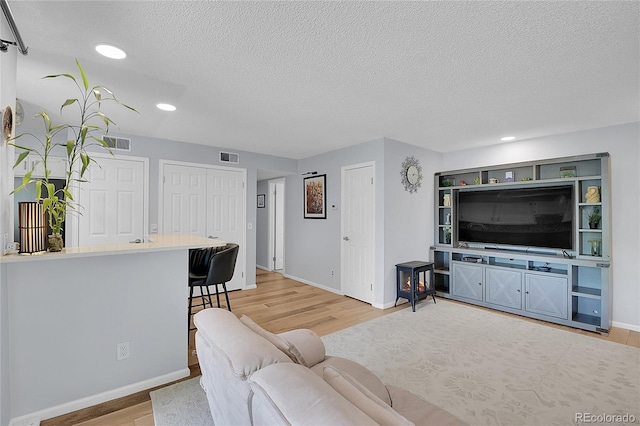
(70, 144)
(21, 157)
(85, 162)
(85, 82)
(38, 189)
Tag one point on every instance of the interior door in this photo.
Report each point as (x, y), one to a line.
(113, 201)
(225, 215)
(184, 199)
(357, 232)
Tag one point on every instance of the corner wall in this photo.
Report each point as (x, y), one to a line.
(8, 71)
(623, 144)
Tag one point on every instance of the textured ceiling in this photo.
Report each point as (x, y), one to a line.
(296, 79)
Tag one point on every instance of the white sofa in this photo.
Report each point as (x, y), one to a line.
(254, 377)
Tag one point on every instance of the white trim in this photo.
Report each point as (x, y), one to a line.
(302, 280)
(264, 268)
(271, 222)
(344, 169)
(96, 399)
(631, 327)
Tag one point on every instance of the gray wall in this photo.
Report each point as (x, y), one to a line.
(403, 221)
(8, 70)
(623, 143)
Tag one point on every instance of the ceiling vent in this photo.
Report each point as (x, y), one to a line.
(229, 157)
(117, 144)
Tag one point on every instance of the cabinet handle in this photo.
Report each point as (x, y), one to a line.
(479, 283)
(526, 292)
(518, 290)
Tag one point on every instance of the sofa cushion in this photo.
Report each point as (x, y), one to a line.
(306, 345)
(360, 373)
(243, 350)
(419, 411)
(362, 398)
(274, 339)
(292, 394)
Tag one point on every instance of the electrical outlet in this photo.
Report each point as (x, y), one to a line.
(122, 351)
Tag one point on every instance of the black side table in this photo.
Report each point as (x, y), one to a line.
(412, 283)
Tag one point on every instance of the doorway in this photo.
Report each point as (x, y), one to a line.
(276, 224)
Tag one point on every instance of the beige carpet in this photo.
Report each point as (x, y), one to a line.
(489, 369)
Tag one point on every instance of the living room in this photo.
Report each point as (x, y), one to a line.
(404, 221)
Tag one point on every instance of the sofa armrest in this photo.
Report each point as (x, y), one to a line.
(306, 345)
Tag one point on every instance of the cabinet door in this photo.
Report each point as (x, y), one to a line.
(57, 167)
(504, 287)
(467, 281)
(546, 295)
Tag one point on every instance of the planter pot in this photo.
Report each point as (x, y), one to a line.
(55, 242)
(593, 225)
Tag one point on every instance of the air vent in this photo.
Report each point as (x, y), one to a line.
(229, 157)
(117, 144)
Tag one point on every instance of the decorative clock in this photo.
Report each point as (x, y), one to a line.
(411, 174)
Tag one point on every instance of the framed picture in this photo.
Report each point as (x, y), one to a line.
(261, 201)
(315, 197)
(509, 176)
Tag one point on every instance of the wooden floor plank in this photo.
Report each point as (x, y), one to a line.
(278, 304)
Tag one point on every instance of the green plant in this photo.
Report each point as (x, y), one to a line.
(80, 136)
(594, 217)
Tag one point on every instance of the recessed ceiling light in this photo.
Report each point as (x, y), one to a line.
(166, 107)
(110, 51)
(507, 138)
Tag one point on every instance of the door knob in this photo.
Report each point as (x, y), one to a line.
(345, 238)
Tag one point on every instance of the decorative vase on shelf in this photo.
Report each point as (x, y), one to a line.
(592, 195)
(446, 202)
(55, 242)
(595, 247)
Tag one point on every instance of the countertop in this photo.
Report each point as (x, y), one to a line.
(156, 242)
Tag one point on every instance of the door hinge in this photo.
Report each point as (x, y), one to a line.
(371, 287)
(243, 185)
(164, 179)
(242, 275)
(274, 258)
(371, 181)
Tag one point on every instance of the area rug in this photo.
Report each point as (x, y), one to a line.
(181, 404)
(486, 368)
(490, 369)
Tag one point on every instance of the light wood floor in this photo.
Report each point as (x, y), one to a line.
(278, 304)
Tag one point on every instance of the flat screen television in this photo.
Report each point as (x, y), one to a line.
(525, 217)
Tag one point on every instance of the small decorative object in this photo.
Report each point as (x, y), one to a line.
(447, 234)
(595, 246)
(463, 183)
(525, 179)
(449, 182)
(261, 201)
(509, 176)
(592, 195)
(567, 172)
(55, 242)
(315, 197)
(493, 180)
(32, 224)
(7, 123)
(446, 200)
(447, 219)
(594, 218)
(476, 180)
(411, 174)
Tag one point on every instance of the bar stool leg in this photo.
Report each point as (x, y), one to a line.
(226, 295)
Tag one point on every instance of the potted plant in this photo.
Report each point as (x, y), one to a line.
(594, 218)
(447, 234)
(92, 124)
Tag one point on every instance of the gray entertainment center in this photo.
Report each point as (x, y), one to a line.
(530, 238)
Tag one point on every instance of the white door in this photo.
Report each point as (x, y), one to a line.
(113, 201)
(184, 202)
(225, 215)
(276, 225)
(357, 232)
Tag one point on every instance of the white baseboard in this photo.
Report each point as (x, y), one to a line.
(625, 326)
(264, 268)
(387, 305)
(332, 290)
(92, 400)
(249, 287)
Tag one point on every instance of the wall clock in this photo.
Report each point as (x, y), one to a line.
(411, 174)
